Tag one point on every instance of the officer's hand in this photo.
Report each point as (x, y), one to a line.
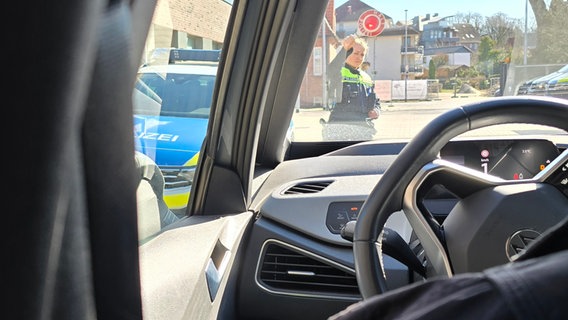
(373, 114)
(348, 42)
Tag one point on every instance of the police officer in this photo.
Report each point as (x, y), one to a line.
(353, 89)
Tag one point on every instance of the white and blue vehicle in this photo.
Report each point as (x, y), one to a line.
(172, 102)
(558, 86)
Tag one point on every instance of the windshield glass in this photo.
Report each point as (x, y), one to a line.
(382, 70)
(378, 70)
(174, 94)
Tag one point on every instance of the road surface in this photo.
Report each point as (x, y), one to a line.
(403, 120)
(398, 119)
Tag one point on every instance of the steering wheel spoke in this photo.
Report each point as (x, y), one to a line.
(456, 178)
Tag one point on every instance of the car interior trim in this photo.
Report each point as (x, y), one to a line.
(261, 285)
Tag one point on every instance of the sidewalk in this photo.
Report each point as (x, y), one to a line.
(443, 101)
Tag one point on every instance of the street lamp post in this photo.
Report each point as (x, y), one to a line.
(526, 30)
(324, 64)
(405, 55)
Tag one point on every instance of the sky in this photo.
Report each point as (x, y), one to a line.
(395, 8)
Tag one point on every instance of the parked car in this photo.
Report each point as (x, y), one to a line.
(172, 102)
(524, 87)
(537, 86)
(447, 191)
(558, 86)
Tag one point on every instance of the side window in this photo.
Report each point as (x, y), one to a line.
(171, 104)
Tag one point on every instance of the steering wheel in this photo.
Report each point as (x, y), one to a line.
(491, 211)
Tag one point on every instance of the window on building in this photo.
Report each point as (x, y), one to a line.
(317, 61)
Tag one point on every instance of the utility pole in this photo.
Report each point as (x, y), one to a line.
(405, 55)
(526, 31)
(324, 64)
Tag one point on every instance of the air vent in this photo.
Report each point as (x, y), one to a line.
(289, 271)
(308, 187)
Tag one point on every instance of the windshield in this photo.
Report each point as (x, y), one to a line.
(174, 94)
(378, 70)
(382, 70)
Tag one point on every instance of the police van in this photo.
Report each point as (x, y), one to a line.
(172, 101)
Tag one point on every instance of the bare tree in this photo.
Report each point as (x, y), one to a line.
(551, 31)
(541, 12)
(501, 28)
(473, 18)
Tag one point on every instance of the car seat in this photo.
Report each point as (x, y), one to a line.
(153, 212)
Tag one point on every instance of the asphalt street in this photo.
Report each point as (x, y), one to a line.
(403, 120)
(398, 119)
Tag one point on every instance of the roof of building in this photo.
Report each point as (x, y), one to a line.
(352, 9)
(446, 50)
(398, 31)
(467, 32)
(454, 67)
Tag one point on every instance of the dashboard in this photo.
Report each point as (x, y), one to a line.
(296, 253)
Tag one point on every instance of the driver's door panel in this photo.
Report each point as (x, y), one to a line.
(179, 277)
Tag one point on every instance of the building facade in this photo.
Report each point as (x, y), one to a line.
(178, 24)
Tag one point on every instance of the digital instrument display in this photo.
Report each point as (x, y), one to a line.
(507, 159)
